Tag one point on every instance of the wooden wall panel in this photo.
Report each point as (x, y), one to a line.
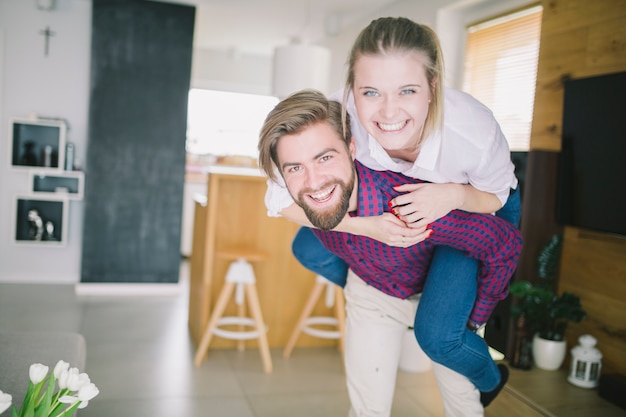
(607, 45)
(593, 266)
(580, 38)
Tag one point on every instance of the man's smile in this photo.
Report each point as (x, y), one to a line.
(322, 196)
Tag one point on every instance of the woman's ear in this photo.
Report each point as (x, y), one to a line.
(433, 87)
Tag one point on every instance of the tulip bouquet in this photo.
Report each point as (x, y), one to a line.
(75, 391)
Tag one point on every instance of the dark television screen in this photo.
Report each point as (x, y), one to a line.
(592, 177)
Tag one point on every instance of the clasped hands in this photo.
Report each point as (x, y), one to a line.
(412, 213)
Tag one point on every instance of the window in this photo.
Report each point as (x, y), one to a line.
(501, 70)
(223, 123)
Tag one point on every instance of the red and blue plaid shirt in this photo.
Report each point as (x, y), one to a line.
(401, 272)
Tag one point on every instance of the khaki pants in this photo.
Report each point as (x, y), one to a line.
(375, 326)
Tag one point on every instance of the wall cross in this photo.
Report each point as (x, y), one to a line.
(48, 34)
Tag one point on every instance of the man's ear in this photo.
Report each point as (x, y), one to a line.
(352, 147)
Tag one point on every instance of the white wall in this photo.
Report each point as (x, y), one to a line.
(224, 71)
(58, 86)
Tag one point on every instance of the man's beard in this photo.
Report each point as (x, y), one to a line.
(329, 218)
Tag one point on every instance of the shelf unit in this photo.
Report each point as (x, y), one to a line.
(68, 183)
(40, 220)
(37, 143)
(38, 148)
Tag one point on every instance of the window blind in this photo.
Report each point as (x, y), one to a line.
(500, 70)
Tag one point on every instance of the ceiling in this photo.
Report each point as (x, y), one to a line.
(258, 26)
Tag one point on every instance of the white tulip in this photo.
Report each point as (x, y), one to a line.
(88, 392)
(37, 372)
(73, 379)
(60, 368)
(62, 378)
(5, 401)
(68, 399)
(65, 376)
(83, 380)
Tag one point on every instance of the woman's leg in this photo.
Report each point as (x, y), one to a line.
(447, 301)
(512, 209)
(310, 252)
(440, 322)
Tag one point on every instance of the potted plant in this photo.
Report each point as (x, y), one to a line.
(544, 311)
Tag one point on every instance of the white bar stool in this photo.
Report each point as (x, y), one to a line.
(306, 322)
(240, 278)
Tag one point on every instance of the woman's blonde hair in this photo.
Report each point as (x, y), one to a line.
(398, 34)
(292, 115)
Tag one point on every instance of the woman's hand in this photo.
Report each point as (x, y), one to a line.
(424, 203)
(385, 228)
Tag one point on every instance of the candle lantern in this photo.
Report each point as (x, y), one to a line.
(586, 363)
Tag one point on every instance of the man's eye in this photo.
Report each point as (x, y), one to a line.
(294, 169)
(326, 158)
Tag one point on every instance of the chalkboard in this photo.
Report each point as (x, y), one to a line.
(135, 167)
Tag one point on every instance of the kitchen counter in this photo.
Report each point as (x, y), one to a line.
(234, 214)
(196, 177)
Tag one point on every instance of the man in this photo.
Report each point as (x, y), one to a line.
(303, 139)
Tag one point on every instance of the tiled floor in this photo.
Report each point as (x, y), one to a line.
(140, 356)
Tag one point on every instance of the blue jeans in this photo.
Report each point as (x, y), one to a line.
(445, 305)
(441, 318)
(310, 252)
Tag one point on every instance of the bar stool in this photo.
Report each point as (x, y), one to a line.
(241, 279)
(307, 323)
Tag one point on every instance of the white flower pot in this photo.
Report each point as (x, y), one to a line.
(548, 354)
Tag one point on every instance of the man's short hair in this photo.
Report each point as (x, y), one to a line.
(291, 116)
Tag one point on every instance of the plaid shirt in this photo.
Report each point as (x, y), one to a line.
(401, 272)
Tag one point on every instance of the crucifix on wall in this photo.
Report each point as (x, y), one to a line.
(47, 33)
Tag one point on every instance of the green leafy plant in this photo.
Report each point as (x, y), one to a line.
(546, 313)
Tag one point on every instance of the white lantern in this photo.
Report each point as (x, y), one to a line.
(586, 363)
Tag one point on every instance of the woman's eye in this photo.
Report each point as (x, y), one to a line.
(408, 91)
(370, 93)
(295, 168)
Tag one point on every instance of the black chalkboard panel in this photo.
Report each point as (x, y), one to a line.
(140, 75)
